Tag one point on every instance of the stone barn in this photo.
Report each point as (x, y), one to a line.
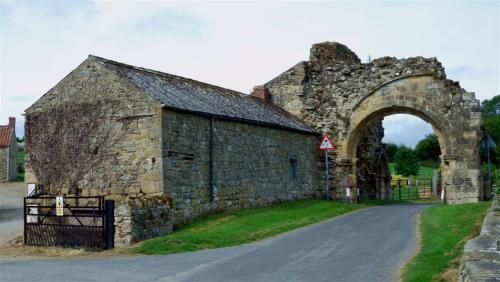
(167, 149)
(8, 151)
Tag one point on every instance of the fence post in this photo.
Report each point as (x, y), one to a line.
(25, 219)
(109, 209)
(416, 189)
(399, 188)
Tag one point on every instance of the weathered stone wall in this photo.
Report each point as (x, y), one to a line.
(186, 163)
(251, 165)
(8, 161)
(481, 258)
(13, 158)
(368, 151)
(94, 134)
(4, 153)
(149, 218)
(333, 92)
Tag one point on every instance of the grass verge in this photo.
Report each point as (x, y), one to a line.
(243, 226)
(423, 171)
(444, 229)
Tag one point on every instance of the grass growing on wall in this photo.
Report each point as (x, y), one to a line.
(444, 229)
(243, 226)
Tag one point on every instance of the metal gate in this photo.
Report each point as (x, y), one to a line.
(413, 189)
(82, 222)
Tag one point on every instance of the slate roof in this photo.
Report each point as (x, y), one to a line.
(5, 136)
(189, 95)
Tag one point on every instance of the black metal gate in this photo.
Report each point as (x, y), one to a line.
(413, 189)
(85, 222)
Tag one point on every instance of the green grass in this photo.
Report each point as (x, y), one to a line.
(444, 230)
(423, 172)
(20, 163)
(243, 226)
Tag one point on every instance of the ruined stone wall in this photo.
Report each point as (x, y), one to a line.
(251, 165)
(368, 151)
(95, 135)
(329, 91)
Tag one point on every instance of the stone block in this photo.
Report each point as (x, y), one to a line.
(149, 187)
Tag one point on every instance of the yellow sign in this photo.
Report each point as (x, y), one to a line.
(59, 206)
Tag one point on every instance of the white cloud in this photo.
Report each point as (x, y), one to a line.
(234, 45)
(405, 129)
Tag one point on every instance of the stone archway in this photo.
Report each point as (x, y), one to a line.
(456, 126)
(335, 93)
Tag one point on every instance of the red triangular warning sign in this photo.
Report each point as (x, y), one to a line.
(326, 144)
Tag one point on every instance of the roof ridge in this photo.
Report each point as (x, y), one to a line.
(166, 74)
(185, 94)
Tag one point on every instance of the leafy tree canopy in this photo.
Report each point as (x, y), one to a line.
(491, 107)
(407, 162)
(491, 114)
(428, 148)
(492, 126)
(391, 151)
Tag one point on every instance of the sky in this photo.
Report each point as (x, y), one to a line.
(238, 45)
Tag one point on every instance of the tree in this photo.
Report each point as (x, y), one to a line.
(391, 151)
(406, 159)
(492, 126)
(491, 107)
(491, 114)
(428, 148)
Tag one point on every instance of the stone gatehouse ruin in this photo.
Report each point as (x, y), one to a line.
(169, 149)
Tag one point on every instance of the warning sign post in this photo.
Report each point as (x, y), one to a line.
(326, 145)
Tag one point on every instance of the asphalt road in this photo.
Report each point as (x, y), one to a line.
(11, 224)
(11, 211)
(367, 245)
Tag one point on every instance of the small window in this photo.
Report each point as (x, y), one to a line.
(292, 167)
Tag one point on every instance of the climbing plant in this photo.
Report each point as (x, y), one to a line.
(73, 141)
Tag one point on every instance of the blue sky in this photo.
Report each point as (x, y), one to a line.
(239, 45)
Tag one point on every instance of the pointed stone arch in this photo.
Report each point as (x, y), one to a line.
(335, 93)
(456, 124)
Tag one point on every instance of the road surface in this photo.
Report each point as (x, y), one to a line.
(11, 211)
(368, 245)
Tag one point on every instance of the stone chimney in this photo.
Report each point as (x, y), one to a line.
(12, 122)
(261, 93)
